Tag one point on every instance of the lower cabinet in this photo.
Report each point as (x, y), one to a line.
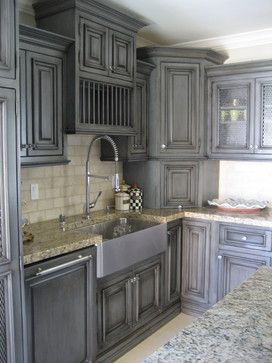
(60, 302)
(235, 267)
(196, 264)
(128, 301)
(173, 263)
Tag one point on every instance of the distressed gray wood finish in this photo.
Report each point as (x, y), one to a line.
(42, 83)
(173, 262)
(127, 302)
(8, 39)
(256, 78)
(61, 309)
(104, 52)
(196, 244)
(234, 268)
(11, 328)
(168, 184)
(244, 237)
(134, 148)
(176, 114)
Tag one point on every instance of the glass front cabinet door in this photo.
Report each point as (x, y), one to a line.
(232, 114)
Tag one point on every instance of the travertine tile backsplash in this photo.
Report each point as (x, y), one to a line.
(62, 188)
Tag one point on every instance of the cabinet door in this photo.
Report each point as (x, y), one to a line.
(234, 268)
(233, 117)
(44, 104)
(23, 98)
(138, 143)
(196, 261)
(173, 263)
(147, 284)
(59, 304)
(263, 130)
(114, 310)
(11, 339)
(7, 38)
(179, 184)
(94, 52)
(180, 109)
(122, 61)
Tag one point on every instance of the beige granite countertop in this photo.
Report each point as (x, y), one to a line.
(236, 329)
(49, 241)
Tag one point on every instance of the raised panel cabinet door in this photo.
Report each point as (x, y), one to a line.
(173, 263)
(59, 312)
(232, 115)
(7, 38)
(122, 56)
(94, 48)
(179, 184)
(11, 337)
(196, 243)
(180, 109)
(44, 104)
(263, 124)
(147, 285)
(114, 311)
(234, 268)
(138, 143)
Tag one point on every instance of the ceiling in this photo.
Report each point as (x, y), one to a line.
(180, 21)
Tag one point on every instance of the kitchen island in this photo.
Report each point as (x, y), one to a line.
(236, 329)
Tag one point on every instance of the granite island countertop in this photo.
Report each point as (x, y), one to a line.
(49, 241)
(237, 329)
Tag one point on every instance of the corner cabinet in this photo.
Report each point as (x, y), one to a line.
(176, 117)
(60, 301)
(239, 111)
(7, 39)
(42, 101)
(102, 65)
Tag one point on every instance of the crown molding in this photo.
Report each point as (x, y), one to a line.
(234, 41)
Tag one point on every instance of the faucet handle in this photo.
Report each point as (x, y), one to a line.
(93, 204)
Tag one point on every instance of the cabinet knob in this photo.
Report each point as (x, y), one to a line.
(244, 238)
(219, 257)
(169, 233)
(163, 146)
(251, 147)
(256, 147)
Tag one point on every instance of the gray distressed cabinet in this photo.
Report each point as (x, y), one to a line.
(169, 184)
(135, 148)
(8, 39)
(239, 111)
(42, 96)
(242, 250)
(60, 300)
(173, 262)
(101, 90)
(196, 266)
(176, 116)
(127, 302)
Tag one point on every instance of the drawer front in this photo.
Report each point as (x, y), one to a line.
(245, 237)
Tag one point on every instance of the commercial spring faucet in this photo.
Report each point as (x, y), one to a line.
(89, 204)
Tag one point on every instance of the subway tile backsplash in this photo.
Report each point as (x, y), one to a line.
(62, 188)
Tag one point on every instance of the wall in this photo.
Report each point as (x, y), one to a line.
(62, 188)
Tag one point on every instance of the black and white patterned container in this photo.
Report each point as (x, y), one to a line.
(136, 198)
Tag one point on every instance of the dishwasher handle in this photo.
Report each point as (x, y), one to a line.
(80, 259)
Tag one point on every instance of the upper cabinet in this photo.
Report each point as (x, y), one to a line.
(7, 39)
(240, 111)
(102, 65)
(176, 125)
(42, 97)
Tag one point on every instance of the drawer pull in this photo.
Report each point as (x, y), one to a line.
(244, 238)
(42, 272)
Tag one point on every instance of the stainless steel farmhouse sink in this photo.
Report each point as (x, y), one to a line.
(126, 241)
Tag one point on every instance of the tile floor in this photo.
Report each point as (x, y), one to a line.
(156, 340)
